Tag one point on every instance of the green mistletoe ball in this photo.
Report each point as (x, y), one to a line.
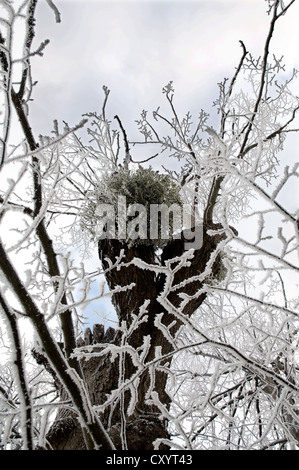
(143, 186)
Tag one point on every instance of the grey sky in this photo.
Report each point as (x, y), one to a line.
(137, 47)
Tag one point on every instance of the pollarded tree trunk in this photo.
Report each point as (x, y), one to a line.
(102, 375)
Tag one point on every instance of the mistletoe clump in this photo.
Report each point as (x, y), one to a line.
(143, 186)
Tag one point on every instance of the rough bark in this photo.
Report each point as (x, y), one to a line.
(101, 375)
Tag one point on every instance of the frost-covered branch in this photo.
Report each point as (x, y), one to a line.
(19, 366)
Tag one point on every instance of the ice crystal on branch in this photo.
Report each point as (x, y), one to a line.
(204, 350)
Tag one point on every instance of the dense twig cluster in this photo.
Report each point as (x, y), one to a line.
(205, 349)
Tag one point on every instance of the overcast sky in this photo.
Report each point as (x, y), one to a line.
(137, 47)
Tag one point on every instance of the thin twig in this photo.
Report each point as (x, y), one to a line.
(127, 147)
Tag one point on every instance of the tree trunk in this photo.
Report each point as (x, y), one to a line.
(101, 375)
